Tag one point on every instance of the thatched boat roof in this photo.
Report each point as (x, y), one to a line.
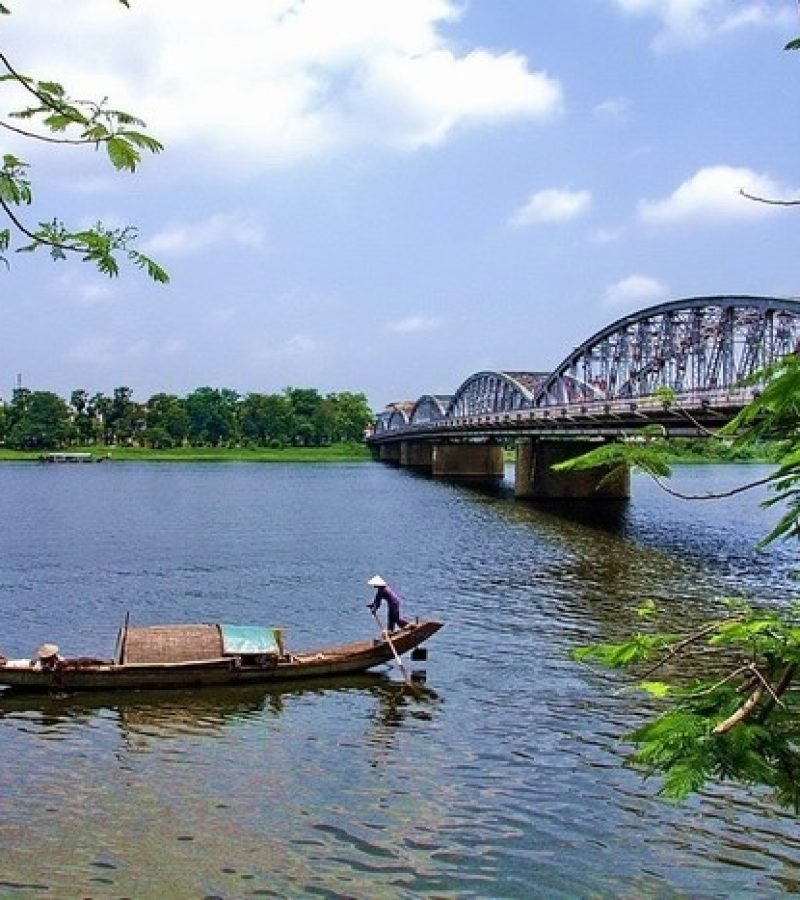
(170, 643)
(195, 643)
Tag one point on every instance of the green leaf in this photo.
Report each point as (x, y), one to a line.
(793, 45)
(123, 155)
(142, 140)
(59, 122)
(14, 189)
(649, 459)
(683, 779)
(96, 133)
(51, 87)
(647, 609)
(637, 649)
(741, 632)
(655, 688)
(153, 269)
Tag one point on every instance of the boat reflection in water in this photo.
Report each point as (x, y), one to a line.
(150, 715)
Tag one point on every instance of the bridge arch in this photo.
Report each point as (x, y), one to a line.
(692, 345)
(397, 419)
(429, 408)
(493, 392)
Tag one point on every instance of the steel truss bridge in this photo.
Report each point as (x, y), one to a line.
(683, 365)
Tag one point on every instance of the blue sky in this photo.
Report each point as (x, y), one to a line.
(389, 195)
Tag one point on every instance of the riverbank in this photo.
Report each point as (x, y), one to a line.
(335, 453)
(678, 451)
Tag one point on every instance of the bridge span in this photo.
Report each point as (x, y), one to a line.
(685, 366)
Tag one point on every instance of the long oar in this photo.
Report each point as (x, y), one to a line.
(384, 632)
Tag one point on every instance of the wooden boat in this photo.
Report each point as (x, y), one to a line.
(73, 458)
(180, 656)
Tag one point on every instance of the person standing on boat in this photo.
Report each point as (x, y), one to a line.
(384, 592)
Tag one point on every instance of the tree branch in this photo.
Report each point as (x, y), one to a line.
(741, 714)
(674, 651)
(712, 496)
(746, 709)
(20, 226)
(698, 425)
(45, 137)
(780, 689)
(768, 201)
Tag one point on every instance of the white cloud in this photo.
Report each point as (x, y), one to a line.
(633, 290)
(193, 237)
(615, 109)
(693, 21)
(414, 325)
(86, 292)
(419, 101)
(273, 83)
(551, 205)
(713, 194)
(102, 351)
(606, 235)
(298, 345)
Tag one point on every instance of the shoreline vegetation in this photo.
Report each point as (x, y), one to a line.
(697, 451)
(338, 453)
(677, 451)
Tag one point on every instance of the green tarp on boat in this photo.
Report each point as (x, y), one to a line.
(244, 639)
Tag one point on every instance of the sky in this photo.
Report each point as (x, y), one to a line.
(387, 196)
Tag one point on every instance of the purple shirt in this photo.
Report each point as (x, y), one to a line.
(392, 600)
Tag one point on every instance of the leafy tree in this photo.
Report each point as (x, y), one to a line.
(99, 411)
(41, 421)
(124, 417)
(351, 416)
(206, 417)
(166, 421)
(311, 418)
(53, 116)
(740, 719)
(211, 415)
(266, 420)
(79, 401)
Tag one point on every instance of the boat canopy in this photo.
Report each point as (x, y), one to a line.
(194, 643)
(238, 640)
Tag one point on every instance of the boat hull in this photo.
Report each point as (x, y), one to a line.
(79, 675)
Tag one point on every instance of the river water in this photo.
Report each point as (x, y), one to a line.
(504, 779)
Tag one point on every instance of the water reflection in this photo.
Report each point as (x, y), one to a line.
(145, 715)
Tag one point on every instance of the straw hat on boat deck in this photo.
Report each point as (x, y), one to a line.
(376, 581)
(47, 650)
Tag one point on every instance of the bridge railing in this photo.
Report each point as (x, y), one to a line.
(587, 412)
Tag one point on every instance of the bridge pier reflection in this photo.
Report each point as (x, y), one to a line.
(534, 478)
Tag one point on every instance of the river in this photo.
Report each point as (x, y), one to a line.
(504, 779)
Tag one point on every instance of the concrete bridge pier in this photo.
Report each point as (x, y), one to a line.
(468, 462)
(417, 455)
(390, 453)
(535, 480)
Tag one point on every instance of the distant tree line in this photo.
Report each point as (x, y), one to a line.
(207, 417)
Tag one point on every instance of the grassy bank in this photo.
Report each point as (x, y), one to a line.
(335, 453)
